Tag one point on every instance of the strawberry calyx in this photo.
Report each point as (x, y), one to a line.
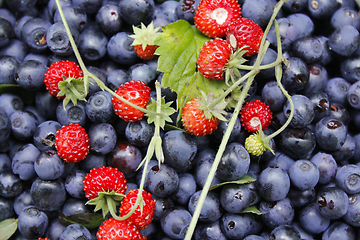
(106, 202)
(236, 60)
(72, 89)
(144, 36)
(212, 107)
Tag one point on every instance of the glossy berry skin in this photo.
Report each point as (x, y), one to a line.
(23, 161)
(212, 59)
(75, 114)
(109, 20)
(330, 133)
(304, 174)
(163, 181)
(10, 184)
(72, 143)
(44, 135)
(102, 138)
(30, 75)
(92, 43)
(23, 124)
(277, 213)
(344, 46)
(58, 41)
(213, 209)
(57, 71)
(339, 230)
(327, 166)
(348, 178)
(255, 114)
(103, 179)
(352, 217)
(212, 17)
(135, 92)
(239, 225)
(114, 229)
(234, 198)
(175, 223)
(48, 165)
(332, 202)
(285, 232)
(120, 50)
(244, 32)
(32, 222)
(74, 232)
(33, 33)
(312, 221)
(139, 133)
(209, 231)
(194, 120)
(141, 218)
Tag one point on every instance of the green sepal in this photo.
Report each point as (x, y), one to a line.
(244, 180)
(252, 209)
(145, 35)
(235, 61)
(8, 228)
(106, 200)
(88, 220)
(211, 110)
(166, 111)
(73, 89)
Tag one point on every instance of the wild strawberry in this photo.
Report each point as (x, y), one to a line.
(142, 217)
(255, 114)
(72, 143)
(135, 92)
(199, 119)
(144, 41)
(213, 57)
(43, 239)
(58, 72)
(212, 17)
(104, 179)
(244, 32)
(113, 229)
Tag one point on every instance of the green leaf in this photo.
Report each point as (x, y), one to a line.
(252, 209)
(27, 96)
(88, 220)
(245, 179)
(179, 47)
(7, 228)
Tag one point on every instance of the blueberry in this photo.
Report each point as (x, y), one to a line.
(327, 166)
(91, 161)
(75, 206)
(16, 49)
(48, 195)
(318, 79)
(22, 201)
(276, 213)
(301, 198)
(74, 184)
(280, 160)
(239, 225)
(303, 23)
(24, 160)
(322, 9)
(71, 113)
(210, 231)
(6, 208)
(288, 33)
(202, 169)
(162, 181)
(109, 20)
(337, 89)
(8, 66)
(116, 78)
(32, 222)
(321, 105)
(75, 231)
(339, 230)
(44, 135)
(30, 75)
(23, 124)
(219, 132)
(348, 178)
(332, 202)
(55, 228)
(5, 162)
(136, 11)
(304, 111)
(33, 33)
(19, 24)
(175, 223)
(297, 143)
(179, 150)
(346, 151)
(92, 43)
(6, 32)
(58, 41)
(20, 6)
(48, 165)
(234, 198)
(338, 111)
(141, 72)
(74, 15)
(258, 10)
(345, 16)
(296, 76)
(10, 184)
(304, 174)
(273, 96)
(187, 187)
(163, 205)
(101, 75)
(102, 138)
(120, 50)
(234, 163)
(213, 209)
(344, 40)
(273, 184)
(285, 232)
(139, 133)
(295, 5)
(89, 6)
(5, 126)
(351, 217)
(330, 133)
(186, 9)
(126, 158)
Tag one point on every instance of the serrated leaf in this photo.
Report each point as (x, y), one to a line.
(245, 179)
(7, 228)
(252, 209)
(179, 47)
(88, 220)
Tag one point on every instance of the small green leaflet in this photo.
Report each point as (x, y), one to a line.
(179, 47)
(252, 209)
(88, 220)
(245, 179)
(7, 228)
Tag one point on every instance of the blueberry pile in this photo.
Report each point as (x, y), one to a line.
(308, 189)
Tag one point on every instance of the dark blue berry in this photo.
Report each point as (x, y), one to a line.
(71, 113)
(92, 43)
(339, 230)
(187, 187)
(22, 201)
(24, 160)
(210, 231)
(330, 133)
(120, 50)
(8, 66)
(348, 178)
(276, 213)
(75, 16)
(240, 225)
(337, 88)
(58, 41)
(296, 76)
(344, 40)
(16, 49)
(44, 135)
(304, 174)
(345, 16)
(162, 181)
(109, 20)
(285, 232)
(6, 208)
(10, 184)
(327, 166)
(48, 165)
(89, 6)
(332, 202)
(32, 222)
(175, 223)
(102, 138)
(74, 184)
(273, 184)
(136, 11)
(74, 232)
(33, 33)
(234, 198)
(304, 111)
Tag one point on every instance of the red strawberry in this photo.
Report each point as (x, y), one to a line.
(146, 54)
(244, 32)
(144, 41)
(213, 57)
(135, 92)
(57, 72)
(43, 239)
(104, 179)
(113, 229)
(195, 121)
(72, 143)
(212, 17)
(140, 218)
(255, 113)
